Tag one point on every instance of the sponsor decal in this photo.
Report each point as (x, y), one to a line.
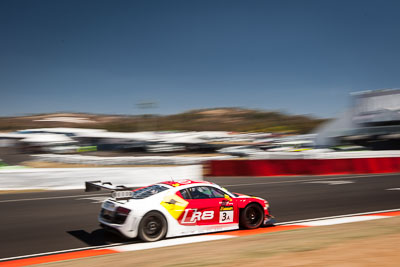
(226, 216)
(121, 194)
(226, 208)
(175, 205)
(191, 216)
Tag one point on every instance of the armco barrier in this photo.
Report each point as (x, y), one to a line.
(283, 167)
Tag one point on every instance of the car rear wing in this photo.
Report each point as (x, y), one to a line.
(119, 192)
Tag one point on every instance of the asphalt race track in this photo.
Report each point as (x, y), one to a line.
(41, 222)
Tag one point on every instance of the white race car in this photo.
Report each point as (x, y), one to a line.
(176, 208)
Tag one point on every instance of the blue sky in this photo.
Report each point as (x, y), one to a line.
(300, 57)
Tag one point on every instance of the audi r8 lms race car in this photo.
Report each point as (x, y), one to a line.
(176, 208)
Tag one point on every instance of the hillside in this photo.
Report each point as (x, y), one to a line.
(219, 119)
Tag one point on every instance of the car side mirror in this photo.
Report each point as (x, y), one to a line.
(227, 197)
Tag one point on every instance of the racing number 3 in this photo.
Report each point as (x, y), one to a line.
(226, 216)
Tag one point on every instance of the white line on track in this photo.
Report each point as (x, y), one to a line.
(336, 182)
(171, 242)
(310, 180)
(96, 199)
(342, 220)
(337, 216)
(60, 251)
(46, 198)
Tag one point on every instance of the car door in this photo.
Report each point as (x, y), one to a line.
(207, 206)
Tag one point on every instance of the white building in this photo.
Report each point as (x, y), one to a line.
(372, 121)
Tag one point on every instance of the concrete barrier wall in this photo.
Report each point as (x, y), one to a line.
(136, 160)
(74, 178)
(303, 166)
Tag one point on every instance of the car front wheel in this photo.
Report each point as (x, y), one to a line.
(153, 227)
(251, 216)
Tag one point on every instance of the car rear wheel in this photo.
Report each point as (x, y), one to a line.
(251, 216)
(153, 227)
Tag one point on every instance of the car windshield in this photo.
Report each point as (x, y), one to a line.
(148, 191)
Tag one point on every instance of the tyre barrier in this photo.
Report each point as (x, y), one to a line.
(287, 167)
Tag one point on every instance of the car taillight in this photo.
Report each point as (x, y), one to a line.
(123, 211)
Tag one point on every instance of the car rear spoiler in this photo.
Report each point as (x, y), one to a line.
(119, 192)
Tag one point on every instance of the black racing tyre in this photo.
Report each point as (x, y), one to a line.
(251, 216)
(152, 227)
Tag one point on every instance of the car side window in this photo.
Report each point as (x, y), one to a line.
(185, 194)
(217, 193)
(203, 192)
(199, 192)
